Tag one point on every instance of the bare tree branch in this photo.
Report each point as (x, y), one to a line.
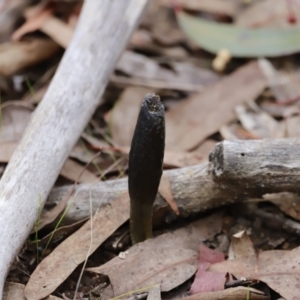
(238, 170)
(102, 32)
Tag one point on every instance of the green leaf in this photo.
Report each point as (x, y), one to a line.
(240, 42)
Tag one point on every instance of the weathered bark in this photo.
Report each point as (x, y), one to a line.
(187, 184)
(19, 55)
(103, 29)
(267, 166)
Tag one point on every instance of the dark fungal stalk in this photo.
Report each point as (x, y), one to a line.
(145, 166)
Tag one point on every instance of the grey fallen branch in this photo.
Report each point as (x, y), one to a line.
(68, 105)
(270, 165)
(237, 171)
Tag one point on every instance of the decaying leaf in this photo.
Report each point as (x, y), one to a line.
(235, 131)
(230, 294)
(206, 281)
(50, 215)
(75, 172)
(293, 126)
(205, 148)
(240, 246)
(154, 293)
(123, 117)
(165, 190)
(279, 269)
(201, 115)
(258, 123)
(6, 150)
(56, 235)
(41, 18)
(179, 159)
(56, 267)
(14, 117)
(15, 291)
(167, 266)
(138, 65)
(284, 85)
(289, 203)
(17, 56)
(168, 259)
(266, 14)
(229, 8)
(34, 22)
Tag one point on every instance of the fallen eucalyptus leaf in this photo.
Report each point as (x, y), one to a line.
(240, 42)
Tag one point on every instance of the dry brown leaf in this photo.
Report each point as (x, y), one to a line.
(201, 115)
(14, 119)
(125, 81)
(6, 150)
(124, 114)
(56, 235)
(289, 203)
(96, 143)
(138, 65)
(237, 293)
(166, 191)
(73, 171)
(275, 109)
(41, 18)
(284, 85)
(234, 131)
(183, 159)
(19, 55)
(266, 14)
(279, 269)
(205, 148)
(168, 259)
(163, 26)
(37, 96)
(49, 216)
(167, 266)
(154, 293)
(33, 23)
(15, 291)
(56, 267)
(10, 12)
(293, 126)
(176, 159)
(206, 281)
(58, 30)
(81, 153)
(229, 8)
(142, 40)
(240, 246)
(259, 123)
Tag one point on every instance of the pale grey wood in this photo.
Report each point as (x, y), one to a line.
(187, 185)
(268, 166)
(101, 34)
